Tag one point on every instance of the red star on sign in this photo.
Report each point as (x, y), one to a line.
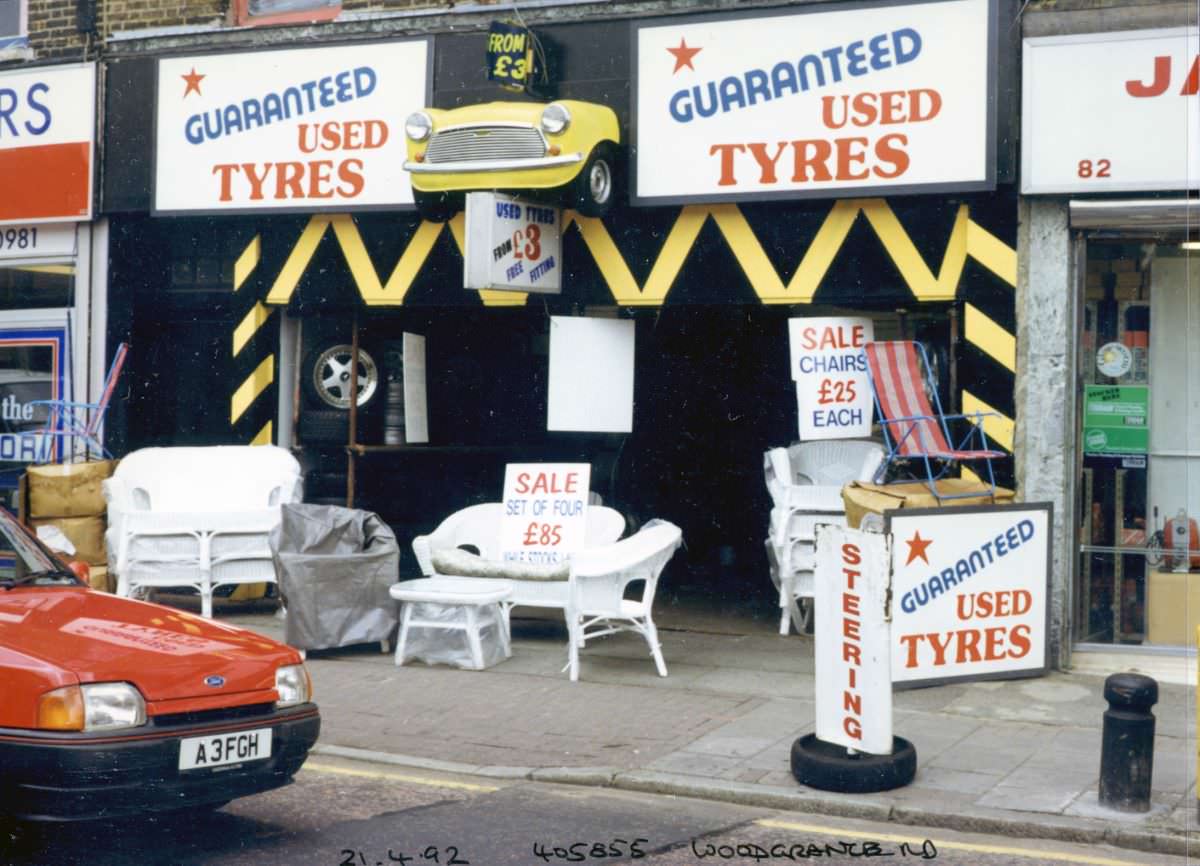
(916, 547)
(193, 82)
(683, 56)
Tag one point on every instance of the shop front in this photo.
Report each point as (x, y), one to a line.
(1109, 169)
(279, 285)
(48, 310)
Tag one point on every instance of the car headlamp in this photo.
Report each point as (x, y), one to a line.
(555, 118)
(418, 126)
(293, 684)
(92, 707)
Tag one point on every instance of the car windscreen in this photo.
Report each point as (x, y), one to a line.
(19, 553)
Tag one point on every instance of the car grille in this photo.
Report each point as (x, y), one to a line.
(226, 714)
(485, 143)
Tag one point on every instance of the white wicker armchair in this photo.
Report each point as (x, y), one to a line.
(197, 517)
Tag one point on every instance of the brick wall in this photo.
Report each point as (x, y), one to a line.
(52, 30)
(139, 14)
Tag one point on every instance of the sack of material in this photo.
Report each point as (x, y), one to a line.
(86, 533)
(334, 567)
(68, 489)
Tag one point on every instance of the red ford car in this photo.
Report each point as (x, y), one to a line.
(110, 706)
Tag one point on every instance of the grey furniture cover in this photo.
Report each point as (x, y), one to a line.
(334, 566)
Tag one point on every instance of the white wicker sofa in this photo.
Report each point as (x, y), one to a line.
(478, 526)
(589, 586)
(197, 516)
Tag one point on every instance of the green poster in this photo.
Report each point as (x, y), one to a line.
(1116, 419)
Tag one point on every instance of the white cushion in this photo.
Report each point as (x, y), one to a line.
(463, 563)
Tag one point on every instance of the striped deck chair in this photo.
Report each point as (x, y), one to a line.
(915, 432)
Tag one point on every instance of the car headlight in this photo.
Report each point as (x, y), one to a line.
(293, 684)
(418, 126)
(555, 118)
(92, 707)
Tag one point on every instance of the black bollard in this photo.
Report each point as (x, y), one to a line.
(1127, 749)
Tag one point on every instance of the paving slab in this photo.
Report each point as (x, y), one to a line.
(1019, 757)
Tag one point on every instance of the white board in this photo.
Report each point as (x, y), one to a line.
(416, 408)
(591, 375)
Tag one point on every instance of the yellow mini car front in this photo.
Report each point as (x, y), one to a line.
(510, 146)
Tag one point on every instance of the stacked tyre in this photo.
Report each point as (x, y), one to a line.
(328, 377)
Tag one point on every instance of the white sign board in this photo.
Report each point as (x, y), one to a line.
(47, 131)
(591, 375)
(1109, 112)
(311, 129)
(416, 408)
(833, 390)
(850, 640)
(969, 591)
(875, 99)
(545, 511)
(512, 244)
(26, 241)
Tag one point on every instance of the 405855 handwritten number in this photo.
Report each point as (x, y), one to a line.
(578, 852)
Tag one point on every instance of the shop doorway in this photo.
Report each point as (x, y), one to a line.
(1139, 478)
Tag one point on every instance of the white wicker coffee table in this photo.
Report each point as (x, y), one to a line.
(477, 602)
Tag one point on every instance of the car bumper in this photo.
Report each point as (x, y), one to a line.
(544, 173)
(77, 777)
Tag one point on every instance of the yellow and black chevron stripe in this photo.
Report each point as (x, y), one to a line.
(254, 342)
(978, 269)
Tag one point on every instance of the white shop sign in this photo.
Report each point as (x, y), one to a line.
(47, 133)
(1108, 112)
(878, 98)
(850, 641)
(969, 591)
(512, 244)
(833, 390)
(312, 129)
(545, 511)
(24, 241)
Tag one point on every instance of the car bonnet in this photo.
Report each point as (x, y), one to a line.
(168, 654)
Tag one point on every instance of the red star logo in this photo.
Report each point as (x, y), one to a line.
(683, 56)
(916, 547)
(193, 82)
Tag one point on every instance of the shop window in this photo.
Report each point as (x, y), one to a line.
(1140, 473)
(259, 12)
(34, 304)
(31, 287)
(201, 264)
(13, 26)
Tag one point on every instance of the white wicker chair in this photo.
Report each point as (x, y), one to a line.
(805, 481)
(599, 576)
(197, 517)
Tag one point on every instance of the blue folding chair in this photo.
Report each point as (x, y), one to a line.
(73, 424)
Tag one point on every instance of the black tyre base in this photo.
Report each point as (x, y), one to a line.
(829, 767)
